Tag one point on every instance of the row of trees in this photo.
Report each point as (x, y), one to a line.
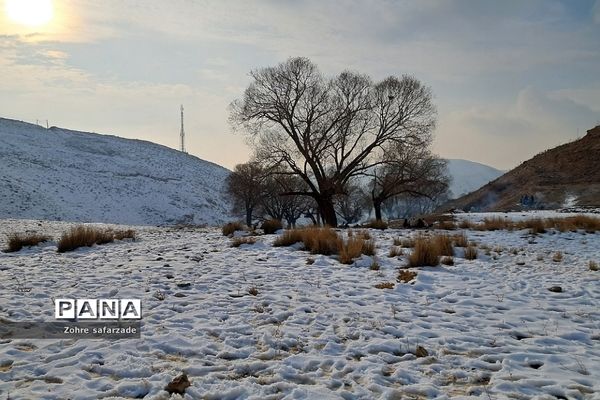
(329, 146)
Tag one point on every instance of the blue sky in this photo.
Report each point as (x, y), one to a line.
(511, 78)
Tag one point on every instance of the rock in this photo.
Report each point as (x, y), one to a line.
(421, 352)
(170, 276)
(185, 285)
(178, 384)
(555, 289)
(179, 294)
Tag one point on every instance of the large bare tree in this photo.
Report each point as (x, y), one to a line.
(329, 130)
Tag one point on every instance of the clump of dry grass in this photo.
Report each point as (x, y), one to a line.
(231, 227)
(354, 247)
(363, 234)
(593, 266)
(406, 275)
(494, 224)
(447, 225)
(290, 237)
(84, 236)
(557, 257)
(465, 224)
(447, 260)
(395, 251)
(376, 225)
(253, 291)
(427, 250)
(238, 241)
(584, 222)
(374, 265)
(444, 245)
(124, 234)
(460, 240)
(535, 225)
(470, 252)
(385, 285)
(16, 241)
(271, 226)
(324, 241)
(404, 242)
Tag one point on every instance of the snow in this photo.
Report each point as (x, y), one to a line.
(468, 176)
(314, 331)
(76, 176)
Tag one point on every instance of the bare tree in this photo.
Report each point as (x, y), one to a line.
(277, 203)
(329, 130)
(351, 206)
(246, 185)
(411, 171)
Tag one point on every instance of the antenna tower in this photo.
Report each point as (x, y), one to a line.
(182, 134)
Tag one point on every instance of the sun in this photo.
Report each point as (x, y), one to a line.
(30, 12)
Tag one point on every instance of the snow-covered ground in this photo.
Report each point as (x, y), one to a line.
(491, 327)
(78, 176)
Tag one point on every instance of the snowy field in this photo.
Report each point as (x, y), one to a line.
(491, 327)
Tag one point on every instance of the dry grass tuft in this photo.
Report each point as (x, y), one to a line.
(124, 234)
(593, 266)
(231, 227)
(271, 226)
(385, 285)
(465, 224)
(84, 236)
(444, 245)
(427, 250)
(535, 225)
(494, 224)
(406, 275)
(363, 234)
(376, 225)
(324, 241)
(404, 242)
(238, 241)
(557, 257)
(253, 291)
(395, 251)
(374, 265)
(460, 240)
(447, 261)
(17, 241)
(470, 252)
(350, 250)
(447, 225)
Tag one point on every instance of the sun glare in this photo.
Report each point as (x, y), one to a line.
(30, 12)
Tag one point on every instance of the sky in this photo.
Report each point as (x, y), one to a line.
(510, 78)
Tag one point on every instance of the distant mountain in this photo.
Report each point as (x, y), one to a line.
(565, 176)
(468, 176)
(59, 174)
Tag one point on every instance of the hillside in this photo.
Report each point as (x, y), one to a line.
(567, 175)
(59, 174)
(468, 176)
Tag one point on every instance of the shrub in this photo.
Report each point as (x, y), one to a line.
(271, 226)
(593, 266)
(230, 227)
(470, 252)
(447, 260)
(238, 241)
(385, 285)
(425, 253)
(125, 234)
(376, 225)
(406, 275)
(17, 241)
(84, 236)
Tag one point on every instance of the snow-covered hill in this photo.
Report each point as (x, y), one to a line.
(58, 174)
(468, 176)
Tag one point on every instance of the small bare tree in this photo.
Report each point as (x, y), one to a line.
(328, 130)
(351, 206)
(411, 171)
(246, 186)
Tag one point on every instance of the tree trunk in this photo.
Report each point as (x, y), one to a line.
(327, 211)
(249, 217)
(377, 207)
